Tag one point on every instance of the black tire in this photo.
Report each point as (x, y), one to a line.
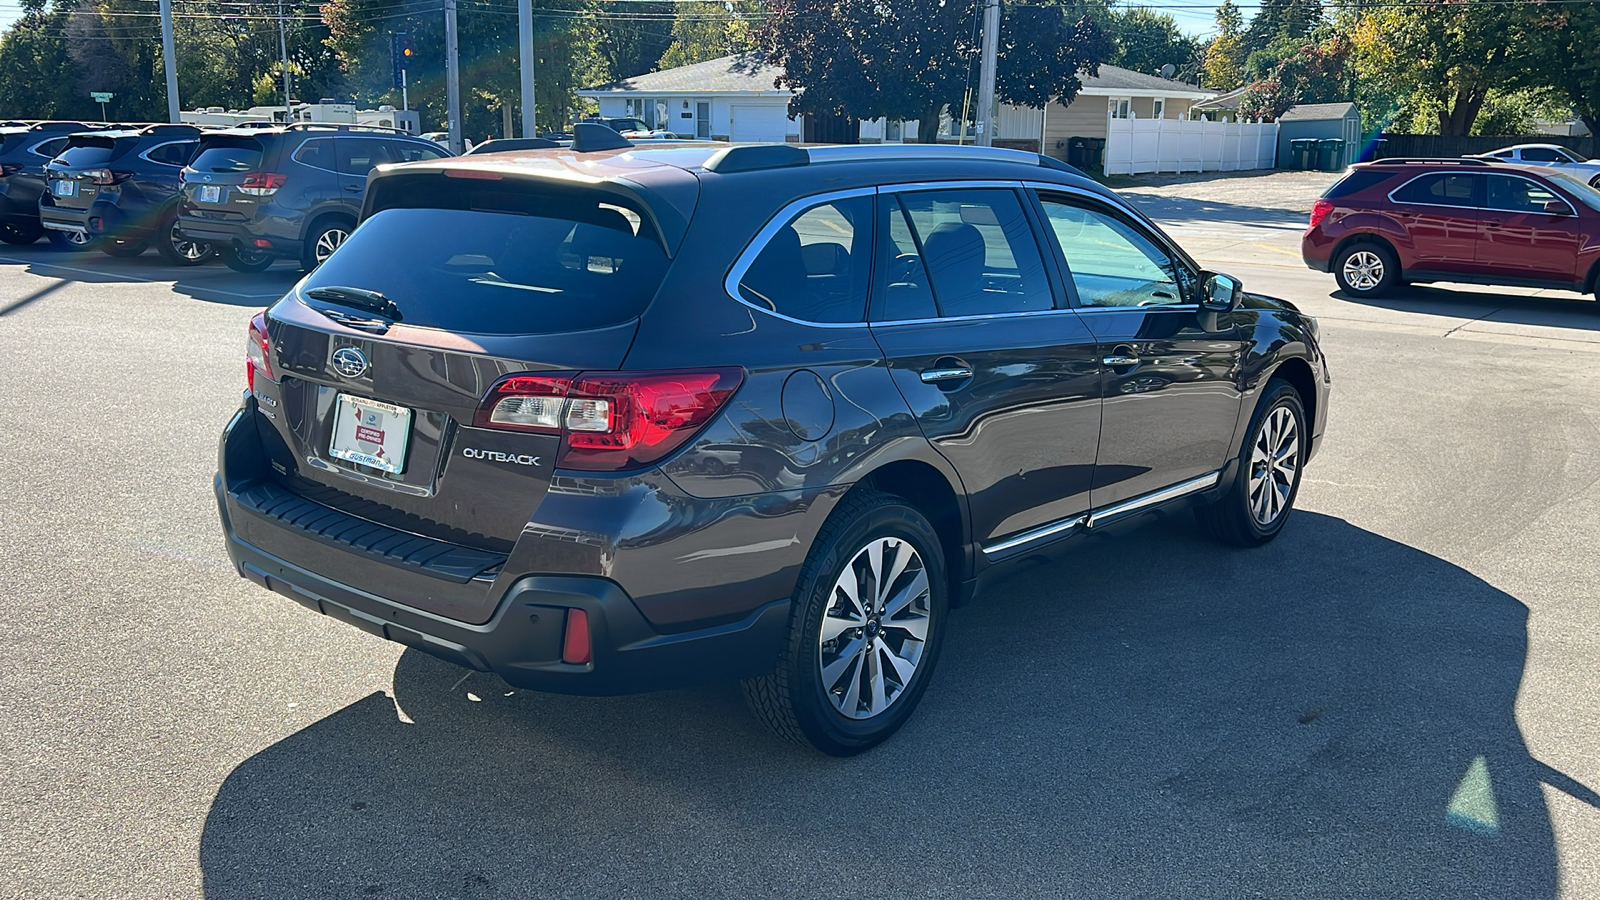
(1234, 517)
(793, 700)
(179, 250)
(21, 233)
(1366, 269)
(70, 241)
(328, 231)
(123, 249)
(245, 260)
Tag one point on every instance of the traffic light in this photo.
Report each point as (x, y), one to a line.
(402, 51)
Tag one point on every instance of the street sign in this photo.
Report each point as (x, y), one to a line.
(101, 96)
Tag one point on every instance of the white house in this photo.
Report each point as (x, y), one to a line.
(734, 98)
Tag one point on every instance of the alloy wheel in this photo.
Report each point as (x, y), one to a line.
(875, 628)
(77, 238)
(329, 241)
(1274, 463)
(1363, 270)
(187, 249)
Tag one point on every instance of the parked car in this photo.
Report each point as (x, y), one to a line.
(1475, 221)
(508, 422)
(504, 145)
(288, 192)
(1553, 155)
(24, 151)
(118, 191)
(628, 126)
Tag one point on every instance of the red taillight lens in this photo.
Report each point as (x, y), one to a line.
(1319, 211)
(258, 352)
(262, 184)
(575, 646)
(99, 176)
(7, 170)
(610, 421)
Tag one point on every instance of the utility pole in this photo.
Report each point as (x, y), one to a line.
(986, 73)
(525, 51)
(452, 76)
(169, 58)
(283, 47)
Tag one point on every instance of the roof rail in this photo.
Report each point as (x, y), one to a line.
(1434, 160)
(342, 126)
(183, 128)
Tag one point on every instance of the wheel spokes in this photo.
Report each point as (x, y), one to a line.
(872, 633)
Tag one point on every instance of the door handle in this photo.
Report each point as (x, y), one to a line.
(953, 373)
(353, 188)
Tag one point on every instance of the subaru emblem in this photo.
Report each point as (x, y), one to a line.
(205, 177)
(350, 362)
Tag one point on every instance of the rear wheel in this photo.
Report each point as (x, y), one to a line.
(864, 630)
(123, 249)
(1366, 270)
(20, 233)
(245, 260)
(72, 241)
(323, 240)
(181, 251)
(1253, 509)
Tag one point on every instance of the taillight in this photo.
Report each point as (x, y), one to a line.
(98, 176)
(610, 421)
(262, 184)
(258, 352)
(1319, 211)
(8, 169)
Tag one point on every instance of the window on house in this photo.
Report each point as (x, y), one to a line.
(1121, 109)
(1158, 109)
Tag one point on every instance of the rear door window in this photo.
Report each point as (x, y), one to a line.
(50, 149)
(816, 266)
(318, 154)
(506, 262)
(358, 156)
(1443, 189)
(408, 151)
(979, 251)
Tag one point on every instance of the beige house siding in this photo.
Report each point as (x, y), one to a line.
(1086, 117)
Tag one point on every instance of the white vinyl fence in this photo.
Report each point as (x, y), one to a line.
(1135, 146)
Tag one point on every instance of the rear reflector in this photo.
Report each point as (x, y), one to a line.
(575, 647)
(610, 421)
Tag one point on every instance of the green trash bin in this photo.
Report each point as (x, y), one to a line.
(1094, 152)
(1303, 153)
(1330, 154)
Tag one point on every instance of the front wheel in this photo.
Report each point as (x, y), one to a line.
(864, 630)
(1253, 509)
(1366, 270)
(245, 260)
(181, 251)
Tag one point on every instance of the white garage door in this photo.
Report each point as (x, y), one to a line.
(767, 124)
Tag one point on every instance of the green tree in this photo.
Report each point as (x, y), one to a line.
(1145, 40)
(1225, 55)
(911, 59)
(704, 31)
(1570, 57)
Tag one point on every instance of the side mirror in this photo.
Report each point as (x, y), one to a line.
(1557, 207)
(1219, 293)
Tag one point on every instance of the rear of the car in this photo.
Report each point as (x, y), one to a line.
(24, 151)
(1353, 206)
(441, 443)
(84, 180)
(230, 188)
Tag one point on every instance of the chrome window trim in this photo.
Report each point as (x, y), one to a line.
(1421, 175)
(1525, 212)
(146, 154)
(894, 323)
(1181, 489)
(295, 156)
(35, 148)
(781, 218)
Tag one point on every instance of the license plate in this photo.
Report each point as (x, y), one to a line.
(370, 433)
(210, 193)
(64, 188)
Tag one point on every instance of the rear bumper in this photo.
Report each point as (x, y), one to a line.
(55, 218)
(237, 234)
(1316, 250)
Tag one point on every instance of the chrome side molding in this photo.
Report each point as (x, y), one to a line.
(1102, 516)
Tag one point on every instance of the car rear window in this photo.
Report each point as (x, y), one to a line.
(227, 155)
(512, 262)
(10, 141)
(90, 151)
(1356, 182)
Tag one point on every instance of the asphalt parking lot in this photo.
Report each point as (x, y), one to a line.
(1397, 698)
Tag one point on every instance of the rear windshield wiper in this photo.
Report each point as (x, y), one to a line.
(358, 298)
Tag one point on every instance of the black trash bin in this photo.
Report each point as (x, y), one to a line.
(1078, 151)
(1303, 153)
(1330, 154)
(1095, 151)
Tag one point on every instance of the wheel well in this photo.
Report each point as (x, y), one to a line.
(924, 487)
(1364, 237)
(1592, 283)
(1298, 373)
(323, 219)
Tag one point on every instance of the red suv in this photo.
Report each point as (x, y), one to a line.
(1398, 221)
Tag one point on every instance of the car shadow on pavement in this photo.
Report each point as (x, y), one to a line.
(212, 282)
(1155, 716)
(1563, 310)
